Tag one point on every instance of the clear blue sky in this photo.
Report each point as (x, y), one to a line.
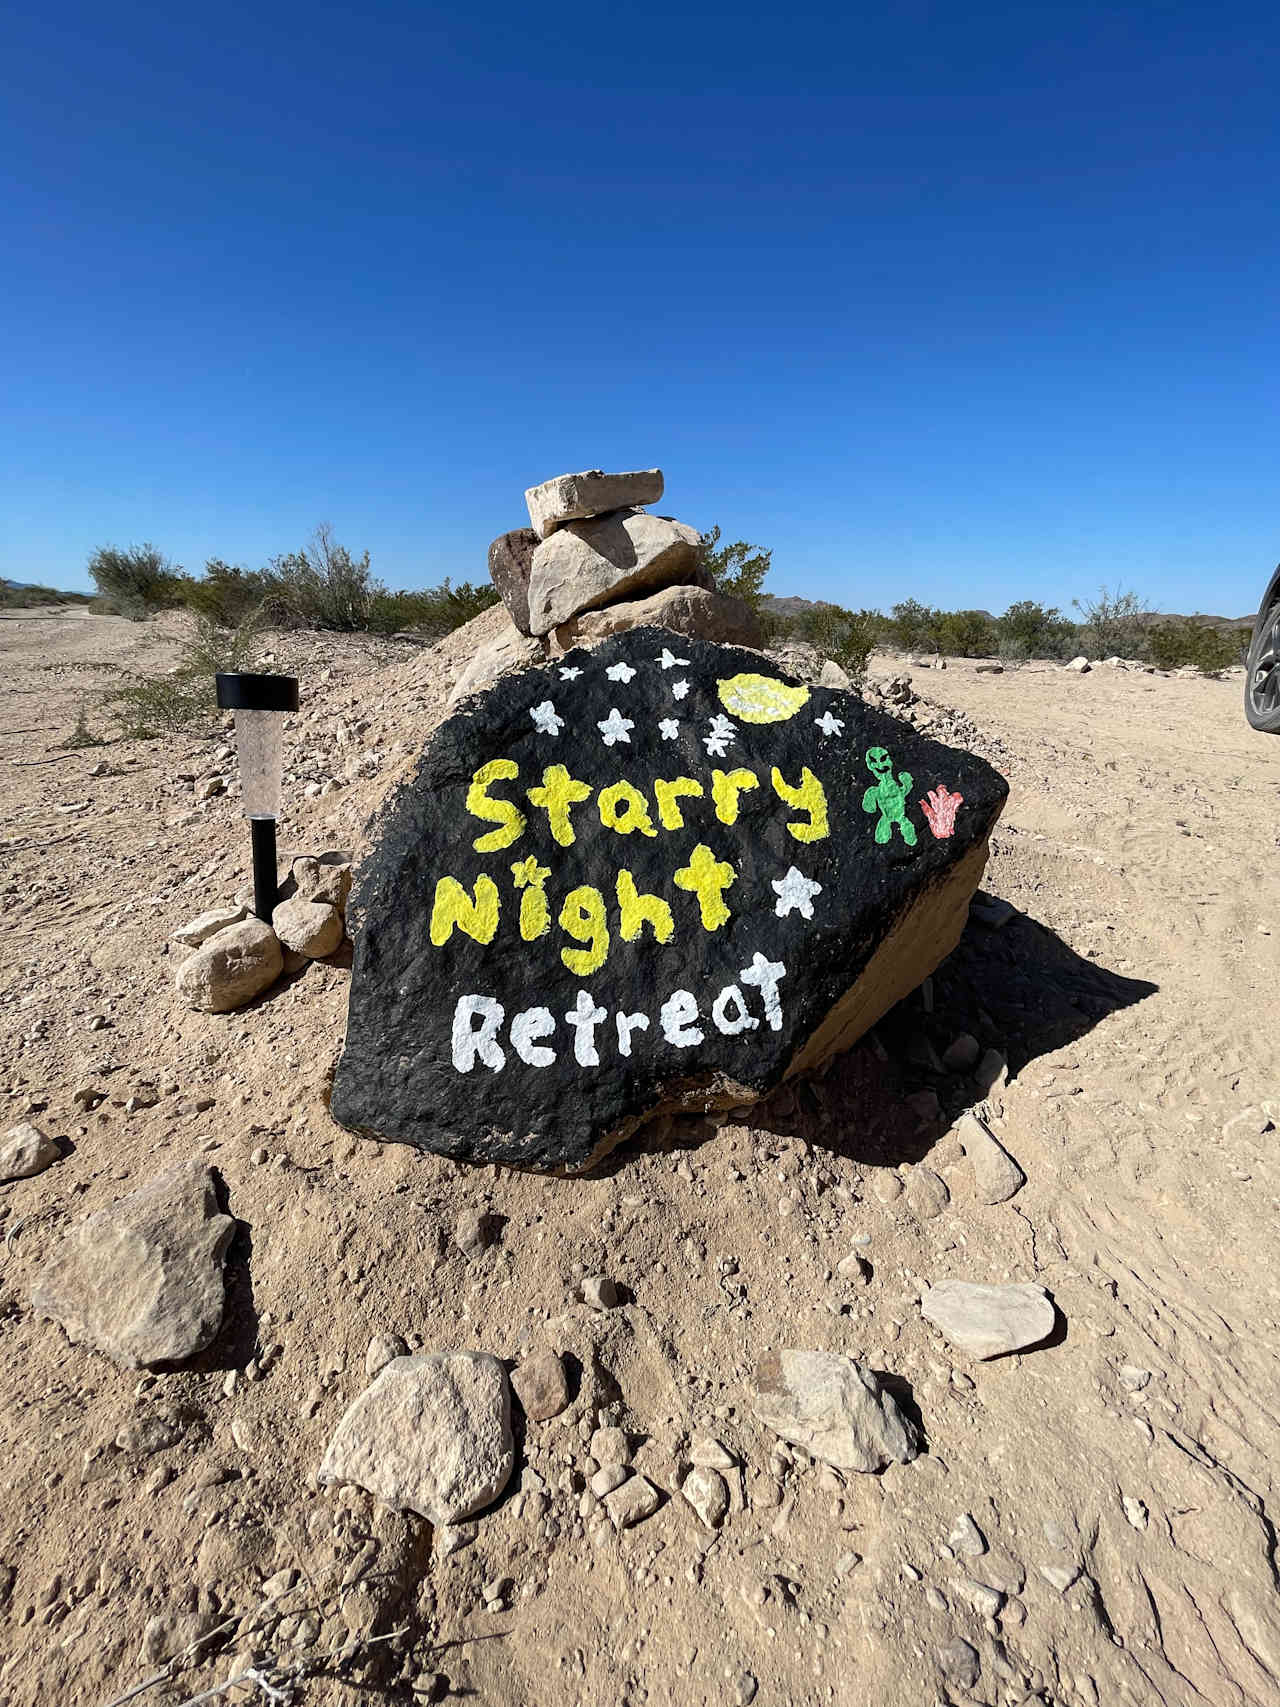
(966, 301)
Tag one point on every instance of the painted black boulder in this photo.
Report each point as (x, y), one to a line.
(658, 875)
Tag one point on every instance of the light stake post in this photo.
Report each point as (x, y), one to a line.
(260, 703)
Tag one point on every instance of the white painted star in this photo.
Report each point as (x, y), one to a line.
(679, 689)
(669, 660)
(620, 672)
(795, 890)
(571, 674)
(716, 745)
(723, 726)
(615, 727)
(545, 719)
(669, 728)
(828, 724)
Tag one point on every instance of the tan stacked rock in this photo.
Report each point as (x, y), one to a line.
(594, 563)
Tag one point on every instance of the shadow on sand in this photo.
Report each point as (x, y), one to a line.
(1018, 989)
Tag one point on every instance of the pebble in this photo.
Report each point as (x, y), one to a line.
(710, 1454)
(986, 1602)
(961, 1053)
(635, 1500)
(967, 1538)
(599, 1292)
(541, 1384)
(927, 1194)
(610, 1446)
(1060, 1577)
(888, 1187)
(474, 1233)
(607, 1478)
(706, 1492)
(959, 1663)
(744, 1690)
(1135, 1511)
(382, 1348)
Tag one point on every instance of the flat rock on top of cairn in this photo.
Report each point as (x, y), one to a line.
(656, 875)
(574, 497)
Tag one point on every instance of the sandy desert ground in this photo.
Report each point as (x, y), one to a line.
(1122, 1479)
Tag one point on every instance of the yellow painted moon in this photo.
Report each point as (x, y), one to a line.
(760, 699)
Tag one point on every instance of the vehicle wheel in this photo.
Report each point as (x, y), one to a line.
(1262, 672)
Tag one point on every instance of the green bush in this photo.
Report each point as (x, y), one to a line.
(846, 637)
(322, 586)
(1176, 644)
(913, 626)
(226, 595)
(963, 634)
(432, 611)
(1029, 629)
(1115, 625)
(738, 569)
(138, 581)
(185, 699)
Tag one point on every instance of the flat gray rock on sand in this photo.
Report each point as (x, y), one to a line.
(621, 555)
(989, 1321)
(574, 497)
(142, 1279)
(834, 1408)
(431, 1435)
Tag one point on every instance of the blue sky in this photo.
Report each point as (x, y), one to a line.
(965, 302)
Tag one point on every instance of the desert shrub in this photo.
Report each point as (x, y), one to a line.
(913, 625)
(185, 699)
(1186, 641)
(138, 581)
(226, 595)
(1115, 625)
(738, 569)
(433, 611)
(81, 735)
(845, 636)
(1029, 629)
(963, 634)
(322, 586)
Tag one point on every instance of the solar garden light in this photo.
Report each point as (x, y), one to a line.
(260, 703)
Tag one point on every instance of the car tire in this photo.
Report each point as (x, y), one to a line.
(1262, 671)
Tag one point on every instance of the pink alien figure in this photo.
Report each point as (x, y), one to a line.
(939, 807)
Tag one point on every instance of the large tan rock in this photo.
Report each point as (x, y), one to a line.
(507, 650)
(431, 1435)
(142, 1279)
(313, 928)
(231, 968)
(575, 497)
(695, 612)
(586, 564)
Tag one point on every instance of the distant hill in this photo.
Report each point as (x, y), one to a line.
(17, 594)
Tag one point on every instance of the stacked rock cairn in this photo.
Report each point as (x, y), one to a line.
(595, 562)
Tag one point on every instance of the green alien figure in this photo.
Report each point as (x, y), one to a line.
(888, 797)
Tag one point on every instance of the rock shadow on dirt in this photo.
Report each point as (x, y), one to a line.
(1019, 990)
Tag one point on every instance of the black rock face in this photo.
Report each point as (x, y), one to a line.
(638, 877)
